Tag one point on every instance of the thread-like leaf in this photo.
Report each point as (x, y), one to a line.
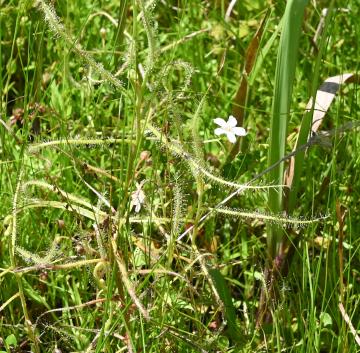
(59, 29)
(273, 219)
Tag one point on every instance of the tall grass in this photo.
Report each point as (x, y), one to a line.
(119, 231)
(282, 99)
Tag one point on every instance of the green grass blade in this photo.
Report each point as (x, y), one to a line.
(229, 309)
(284, 80)
(306, 121)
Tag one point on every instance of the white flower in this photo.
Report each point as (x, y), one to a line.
(138, 197)
(229, 128)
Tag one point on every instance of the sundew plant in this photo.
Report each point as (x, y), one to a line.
(179, 176)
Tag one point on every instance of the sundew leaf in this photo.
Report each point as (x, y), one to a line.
(271, 218)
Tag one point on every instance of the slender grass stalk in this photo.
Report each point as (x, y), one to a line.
(178, 201)
(284, 80)
(126, 281)
(4, 305)
(199, 178)
(12, 248)
(123, 7)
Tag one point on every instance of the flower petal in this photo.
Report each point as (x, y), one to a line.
(232, 122)
(220, 122)
(141, 196)
(219, 131)
(137, 208)
(239, 131)
(231, 136)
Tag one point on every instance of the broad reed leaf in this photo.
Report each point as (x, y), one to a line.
(284, 80)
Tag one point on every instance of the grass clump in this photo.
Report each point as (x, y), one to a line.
(127, 224)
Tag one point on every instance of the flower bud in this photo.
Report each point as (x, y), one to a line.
(103, 32)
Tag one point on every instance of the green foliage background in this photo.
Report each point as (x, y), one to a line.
(80, 269)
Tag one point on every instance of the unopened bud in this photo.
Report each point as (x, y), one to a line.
(103, 32)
